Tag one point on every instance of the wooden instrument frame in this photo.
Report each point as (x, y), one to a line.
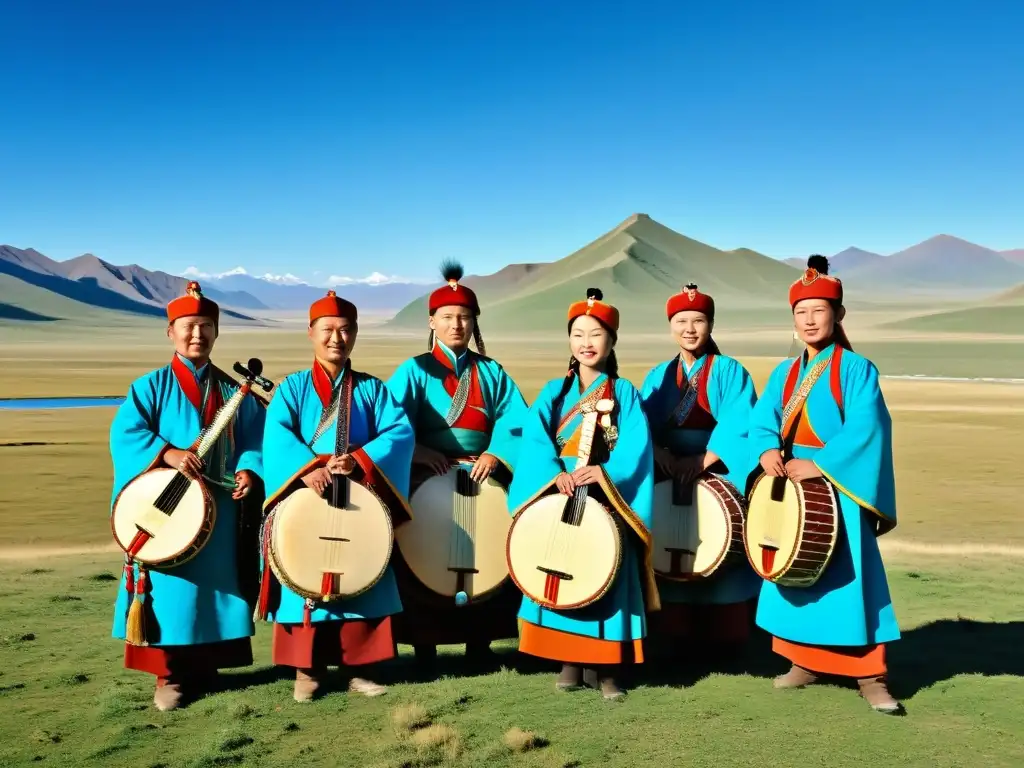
(190, 550)
(318, 596)
(804, 566)
(733, 549)
(503, 478)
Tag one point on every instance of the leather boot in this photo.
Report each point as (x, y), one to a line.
(168, 695)
(570, 679)
(366, 687)
(876, 692)
(604, 680)
(307, 683)
(797, 677)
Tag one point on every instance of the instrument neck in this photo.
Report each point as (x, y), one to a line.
(210, 434)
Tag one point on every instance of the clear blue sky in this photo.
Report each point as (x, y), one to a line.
(347, 137)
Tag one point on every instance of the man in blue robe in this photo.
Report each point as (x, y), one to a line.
(465, 408)
(183, 624)
(299, 444)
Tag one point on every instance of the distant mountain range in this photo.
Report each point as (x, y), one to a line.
(637, 264)
(290, 293)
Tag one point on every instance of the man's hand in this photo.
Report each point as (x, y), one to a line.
(428, 457)
(318, 479)
(341, 465)
(186, 461)
(243, 484)
(586, 475)
(565, 484)
(802, 469)
(483, 467)
(771, 463)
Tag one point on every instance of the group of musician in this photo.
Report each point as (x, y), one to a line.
(821, 415)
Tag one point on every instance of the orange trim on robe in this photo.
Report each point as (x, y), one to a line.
(576, 649)
(857, 661)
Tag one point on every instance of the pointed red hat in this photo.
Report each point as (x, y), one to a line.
(193, 303)
(453, 294)
(690, 299)
(594, 307)
(332, 305)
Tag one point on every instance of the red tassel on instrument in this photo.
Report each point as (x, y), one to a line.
(306, 616)
(263, 603)
(129, 578)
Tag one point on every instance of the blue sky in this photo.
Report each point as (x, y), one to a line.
(345, 138)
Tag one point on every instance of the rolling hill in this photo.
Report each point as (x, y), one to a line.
(941, 263)
(91, 282)
(1005, 319)
(22, 302)
(1016, 255)
(638, 265)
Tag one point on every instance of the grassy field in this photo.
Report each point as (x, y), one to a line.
(955, 566)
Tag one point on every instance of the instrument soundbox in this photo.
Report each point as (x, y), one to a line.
(564, 553)
(334, 546)
(697, 527)
(791, 529)
(455, 543)
(164, 517)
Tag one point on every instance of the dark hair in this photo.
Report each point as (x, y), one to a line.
(611, 363)
(820, 263)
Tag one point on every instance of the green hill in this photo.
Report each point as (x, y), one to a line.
(22, 302)
(1002, 319)
(637, 265)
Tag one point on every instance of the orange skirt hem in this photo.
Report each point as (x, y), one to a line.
(856, 661)
(576, 649)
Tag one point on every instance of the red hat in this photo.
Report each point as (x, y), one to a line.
(593, 306)
(816, 283)
(453, 294)
(690, 299)
(193, 303)
(332, 305)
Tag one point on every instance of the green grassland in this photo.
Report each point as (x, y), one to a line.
(955, 565)
(1006, 319)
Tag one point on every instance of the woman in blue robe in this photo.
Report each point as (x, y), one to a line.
(183, 624)
(465, 409)
(594, 641)
(354, 632)
(841, 431)
(698, 405)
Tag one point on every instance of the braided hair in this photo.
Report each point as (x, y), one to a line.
(611, 364)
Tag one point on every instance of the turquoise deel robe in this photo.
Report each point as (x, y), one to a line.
(620, 615)
(418, 384)
(377, 426)
(731, 396)
(850, 604)
(200, 601)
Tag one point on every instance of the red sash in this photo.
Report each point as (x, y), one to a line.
(700, 416)
(474, 415)
(187, 381)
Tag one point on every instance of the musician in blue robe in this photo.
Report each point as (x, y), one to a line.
(841, 430)
(184, 623)
(698, 405)
(594, 641)
(354, 632)
(462, 405)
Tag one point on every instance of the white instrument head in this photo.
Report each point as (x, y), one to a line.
(604, 406)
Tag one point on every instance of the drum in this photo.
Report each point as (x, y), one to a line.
(791, 529)
(697, 528)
